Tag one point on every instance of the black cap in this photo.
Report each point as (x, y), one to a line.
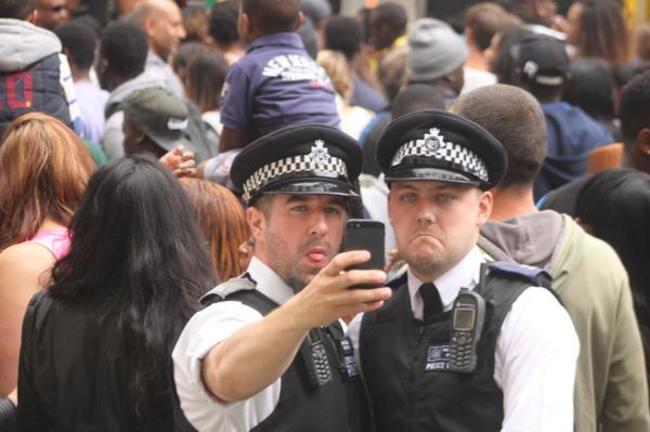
(298, 160)
(543, 60)
(439, 145)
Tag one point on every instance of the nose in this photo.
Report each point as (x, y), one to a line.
(318, 226)
(426, 214)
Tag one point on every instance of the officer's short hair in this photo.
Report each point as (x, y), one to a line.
(16, 9)
(273, 16)
(514, 117)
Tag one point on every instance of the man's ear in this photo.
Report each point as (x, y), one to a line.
(32, 17)
(256, 221)
(150, 25)
(300, 22)
(484, 207)
(643, 141)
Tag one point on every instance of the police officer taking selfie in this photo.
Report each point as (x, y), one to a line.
(267, 353)
(463, 344)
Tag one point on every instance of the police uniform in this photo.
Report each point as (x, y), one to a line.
(321, 390)
(527, 350)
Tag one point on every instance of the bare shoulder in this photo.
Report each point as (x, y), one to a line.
(25, 263)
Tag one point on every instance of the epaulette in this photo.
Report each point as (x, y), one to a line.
(535, 275)
(223, 290)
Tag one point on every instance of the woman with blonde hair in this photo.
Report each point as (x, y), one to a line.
(44, 168)
(223, 223)
(353, 118)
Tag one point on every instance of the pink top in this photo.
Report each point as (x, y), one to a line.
(56, 240)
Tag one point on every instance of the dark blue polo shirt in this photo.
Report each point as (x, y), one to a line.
(277, 84)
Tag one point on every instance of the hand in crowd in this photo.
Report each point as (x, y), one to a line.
(328, 296)
(180, 162)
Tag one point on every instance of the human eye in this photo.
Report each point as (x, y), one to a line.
(298, 208)
(407, 197)
(445, 197)
(333, 210)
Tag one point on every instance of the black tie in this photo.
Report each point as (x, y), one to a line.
(432, 301)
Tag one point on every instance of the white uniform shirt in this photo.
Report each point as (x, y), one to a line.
(203, 332)
(536, 351)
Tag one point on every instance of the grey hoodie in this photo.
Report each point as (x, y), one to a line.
(23, 44)
(529, 239)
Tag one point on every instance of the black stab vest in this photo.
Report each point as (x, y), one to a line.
(340, 405)
(395, 348)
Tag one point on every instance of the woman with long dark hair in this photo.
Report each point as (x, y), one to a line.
(96, 345)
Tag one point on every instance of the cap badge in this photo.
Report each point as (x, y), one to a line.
(433, 140)
(319, 153)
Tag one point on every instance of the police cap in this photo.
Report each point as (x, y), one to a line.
(439, 145)
(302, 160)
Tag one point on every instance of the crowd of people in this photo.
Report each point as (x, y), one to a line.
(176, 178)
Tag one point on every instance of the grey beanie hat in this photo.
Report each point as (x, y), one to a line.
(435, 50)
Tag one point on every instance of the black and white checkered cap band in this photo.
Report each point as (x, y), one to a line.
(329, 166)
(435, 147)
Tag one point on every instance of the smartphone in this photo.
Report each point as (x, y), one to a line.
(364, 234)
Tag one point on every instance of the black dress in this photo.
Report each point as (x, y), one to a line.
(71, 379)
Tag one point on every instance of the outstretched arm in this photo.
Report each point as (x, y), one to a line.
(258, 354)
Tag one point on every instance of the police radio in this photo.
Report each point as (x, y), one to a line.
(468, 316)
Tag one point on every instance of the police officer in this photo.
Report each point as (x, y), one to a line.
(418, 354)
(267, 353)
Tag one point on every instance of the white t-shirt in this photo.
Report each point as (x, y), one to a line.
(536, 353)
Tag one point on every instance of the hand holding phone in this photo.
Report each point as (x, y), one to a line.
(364, 234)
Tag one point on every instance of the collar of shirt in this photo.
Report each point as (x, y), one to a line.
(155, 59)
(268, 282)
(465, 274)
(289, 39)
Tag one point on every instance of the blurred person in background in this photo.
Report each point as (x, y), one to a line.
(345, 34)
(120, 69)
(224, 32)
(642, 43)
(186, 54)
(634, 115)
(543, 66)
(205, 78)
(156, 122)
(482, 22)
(221, 218)
(597, 28)
(52, 13)
(276, 84)
(79, 44)
(614, 206)
(97, 343)
(195, 22)
(353, 118)
(34, 75)
(590, 86)
(44, 168)
(161, 21)
(503, 53)
(436, 57)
